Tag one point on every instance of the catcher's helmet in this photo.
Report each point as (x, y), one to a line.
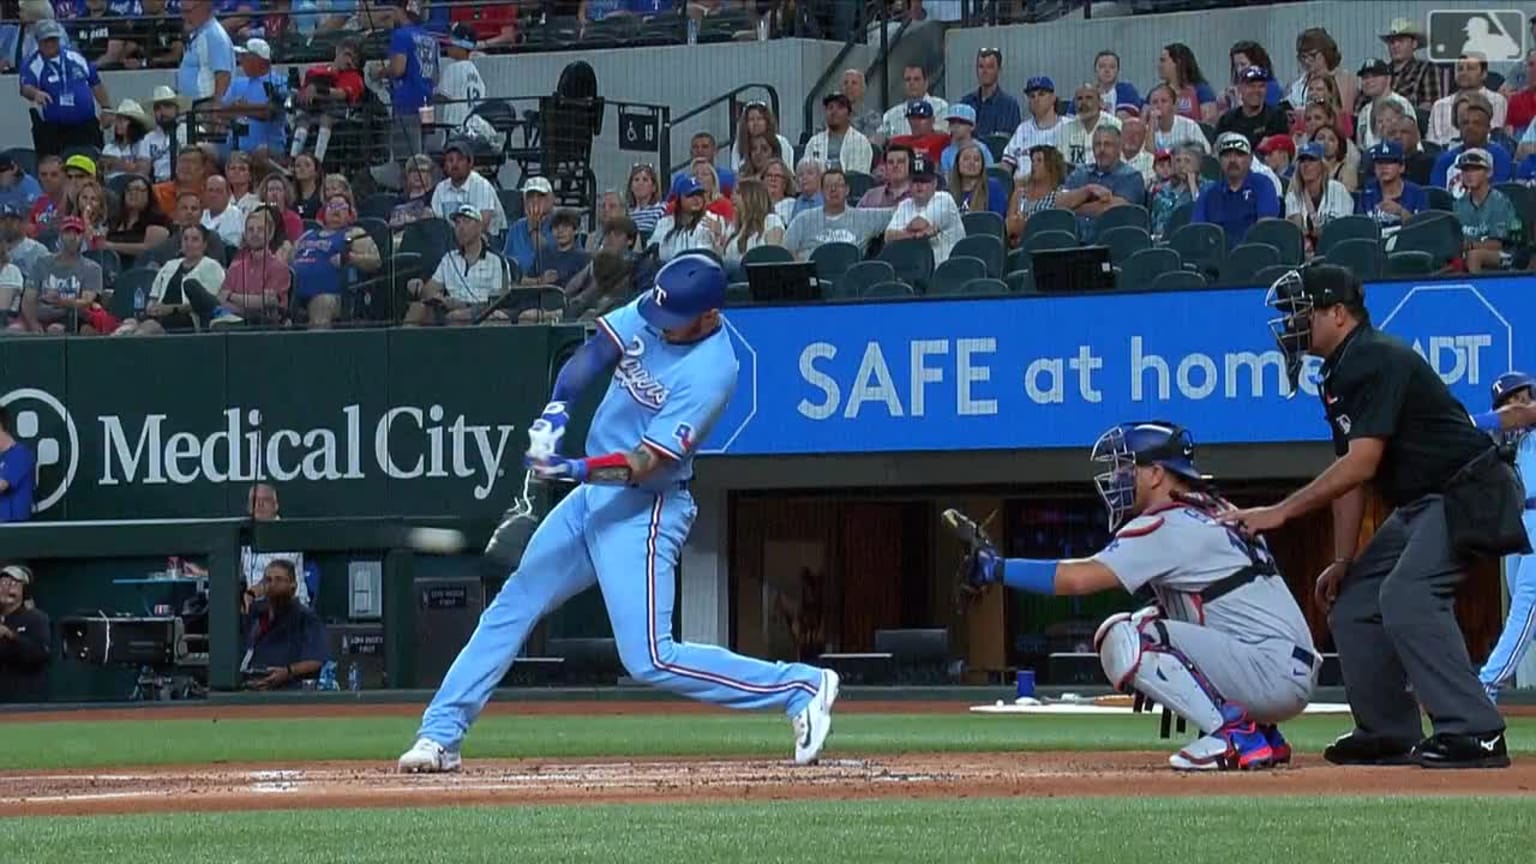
(1151, 442)
(689, 286)
(1295, 294)
(1509, 384)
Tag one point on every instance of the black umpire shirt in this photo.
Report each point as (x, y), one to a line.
(1270, 121)
(1375, 386)
(24, 657)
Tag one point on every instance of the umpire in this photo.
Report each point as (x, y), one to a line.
(1395, 424)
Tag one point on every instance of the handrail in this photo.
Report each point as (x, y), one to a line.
(888, 43)
(773, 104)
(808, 109)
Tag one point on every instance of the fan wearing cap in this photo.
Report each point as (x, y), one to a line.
(459, 85)
(1253, 117)
(468, 279)
(531, 240)
(1041, 127)
(1390, 199)
(326, 93)
(914, 82)
(1474, 119)
(1488, 218)
(691, 226)
(840, 145)
(962, 131)
(1179, 184)
(62, 286)
(1398, 430)
(1240, 197)
(1277, 151)
(65, 90)
(127, 152)
(254, 103)
(923, 139)
(1376, 86)
(208, 65)
(24, 639)
(1315, 199)
(1076, 136)
(462, 184)
(929, 214)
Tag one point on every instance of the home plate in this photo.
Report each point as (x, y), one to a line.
(1105, 706)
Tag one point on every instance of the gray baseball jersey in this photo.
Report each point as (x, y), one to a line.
(1178, 550)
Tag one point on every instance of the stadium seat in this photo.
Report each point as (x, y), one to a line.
(738, 294)
(379, 205)
(987, 247)
(1361, 254)
(380, 232)
(1178, 280)
(859, 277)
(911, 259)
(1524, 199)
(124, 302)
(1410, 263)
(1054, 219)
(1021, 282)
(951, 276)
(1178, 218)
(997, 142)
(1143, 267)
(1439, 234)
(511, 203)
(1268, 275)
(895, 290)
(832, 260)
(1001, 174)
(1126, 214)
(1244, 262)
(1124, 241)
(1044, 240)
(111, 265)
(858, 184)
(1018, 260)
(1348, 228)
(1201, 244)
(984, 222)
(429, 238)
(984, 288)
(767, 254)
(1210, 168)
(1439, 199)
(1281, 234)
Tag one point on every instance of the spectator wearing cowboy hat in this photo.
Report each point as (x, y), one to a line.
(164, 125)
(65, 90)
(128, 151)
(1419, 81)
(254, 103)
(24, 639)
(18, 473)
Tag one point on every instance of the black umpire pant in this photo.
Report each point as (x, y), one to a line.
(54, 139)
(1394, 623)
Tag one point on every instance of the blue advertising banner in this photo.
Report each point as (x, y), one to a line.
(1034, 372)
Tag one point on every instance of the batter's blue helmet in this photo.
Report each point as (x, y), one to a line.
(1509, 384)
(1150, 442)
(689, 286)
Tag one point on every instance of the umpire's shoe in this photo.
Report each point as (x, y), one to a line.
(1444, 750)
(1360, 749)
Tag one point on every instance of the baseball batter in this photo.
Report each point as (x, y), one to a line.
(622, 527)
(1225, 647)
(1514, 389)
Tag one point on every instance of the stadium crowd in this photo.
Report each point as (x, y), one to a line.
(229, 201)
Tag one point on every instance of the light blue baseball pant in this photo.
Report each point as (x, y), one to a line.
(1520, 627)
(627, 541)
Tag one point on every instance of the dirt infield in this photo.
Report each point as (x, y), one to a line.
(587, 781)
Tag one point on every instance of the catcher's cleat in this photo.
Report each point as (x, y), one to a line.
(1277, 743)
(1237, 746)
(982, 564)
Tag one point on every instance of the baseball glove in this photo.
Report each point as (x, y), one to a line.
(982, 565)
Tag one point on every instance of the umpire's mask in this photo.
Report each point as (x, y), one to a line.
(1294, 296)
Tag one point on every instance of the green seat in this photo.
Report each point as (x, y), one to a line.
(1126, 214)
(1124, 241)
(1139, 270)
(1348, 228)
(1281, 234)
(1361, 255)
(911, 259)
(984, 222)
(1243, 263)
(1410, 263)
(1021, 282)
(832, 260)
(1053, 219)
(984, 288)
(893, 290)
(859, 277)
(1201, 244)
(951, 276)
(1178, 280)
(987, 248)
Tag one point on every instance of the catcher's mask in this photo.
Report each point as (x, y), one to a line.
(1124, 447)
(1294, 296)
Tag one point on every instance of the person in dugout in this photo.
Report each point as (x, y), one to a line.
(285, 642)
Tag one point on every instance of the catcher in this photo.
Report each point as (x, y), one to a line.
(1225, 647)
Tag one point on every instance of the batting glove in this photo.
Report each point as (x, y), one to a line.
(557, 468)
(544, 434)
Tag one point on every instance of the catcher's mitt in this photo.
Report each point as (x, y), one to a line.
(982, 565)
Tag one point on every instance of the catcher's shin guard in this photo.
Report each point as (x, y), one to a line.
(1136, 657)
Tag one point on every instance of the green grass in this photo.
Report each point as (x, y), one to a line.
(156, 742)
(1038, 831)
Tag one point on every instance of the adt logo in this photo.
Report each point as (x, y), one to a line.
(1496, 35)
(743, 405)
(43, 423)
(1465, 338)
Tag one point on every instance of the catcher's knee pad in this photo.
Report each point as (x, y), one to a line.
(1136, 656)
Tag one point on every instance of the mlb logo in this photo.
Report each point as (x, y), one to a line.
(1496, 35)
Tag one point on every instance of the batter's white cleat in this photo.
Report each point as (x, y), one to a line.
(814, 722)
(429, 757)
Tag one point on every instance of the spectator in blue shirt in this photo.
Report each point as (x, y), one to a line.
(254, 104)
(1474, 121)
(64, 90)
(1390, 199)
(18, 473)
(997, 113)
(285, 642)
(208, 61)
(1112, 91)
(411, 71)
(531, 239)
(18, 189)
(1240, 198)
(1108, 181)
(962, 131)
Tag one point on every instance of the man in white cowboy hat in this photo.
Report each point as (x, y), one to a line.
(65, 90)
(164, 123)
(127, 151)
(1419, 81)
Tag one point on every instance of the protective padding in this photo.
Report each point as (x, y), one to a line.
(1136, 661)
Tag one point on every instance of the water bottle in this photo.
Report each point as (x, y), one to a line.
(328, 675)
(693, 30)
(173, 568)
(140, 300)
(354, 678)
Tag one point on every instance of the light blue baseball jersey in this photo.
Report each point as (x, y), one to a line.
(1525, 461)
(664, 394)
